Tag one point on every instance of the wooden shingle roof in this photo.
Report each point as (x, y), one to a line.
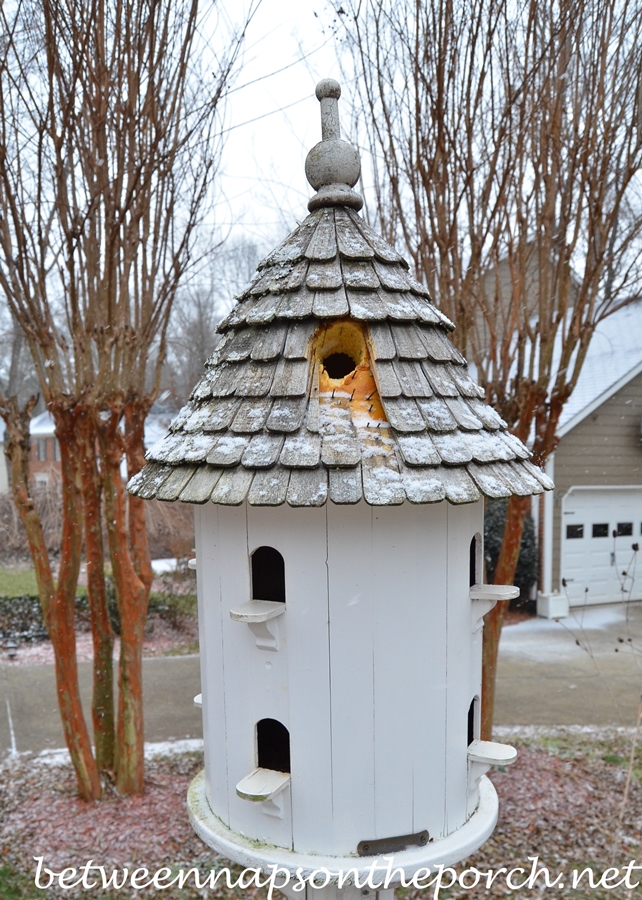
(272, 422)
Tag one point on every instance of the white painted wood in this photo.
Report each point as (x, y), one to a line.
(198, 701)
(427, 542)
(375, 670)
(485, 596)
(394, 674)
(257, 611)
(481, 756)
(549, 512)
(233, 576)
(262, 784)
(267, 634)
(248, 852)
(191, 564)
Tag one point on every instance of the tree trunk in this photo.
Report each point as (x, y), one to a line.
(135, 415)
(101, 630)
(58, 603)
(132, 595)
(493, 621)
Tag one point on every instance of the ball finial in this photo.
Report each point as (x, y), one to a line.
(328, 87)
(332, 167)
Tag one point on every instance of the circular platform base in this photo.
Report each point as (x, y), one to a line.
(249, 853)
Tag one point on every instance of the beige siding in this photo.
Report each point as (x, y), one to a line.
(604, 449)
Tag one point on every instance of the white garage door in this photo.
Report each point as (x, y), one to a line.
(599, 528)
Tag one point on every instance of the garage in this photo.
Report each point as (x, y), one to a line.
(601, 529)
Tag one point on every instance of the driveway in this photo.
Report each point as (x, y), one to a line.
(29, 718)
(583, 670)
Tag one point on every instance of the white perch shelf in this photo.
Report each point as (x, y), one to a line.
(491, 753)
(494, 592)
(262, 784)
(256, 611)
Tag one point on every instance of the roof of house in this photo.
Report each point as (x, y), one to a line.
(42, 425)
(613, 358)
(273, 421)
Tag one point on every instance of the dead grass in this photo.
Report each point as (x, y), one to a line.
(560, 802)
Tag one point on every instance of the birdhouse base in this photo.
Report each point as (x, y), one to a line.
(251, 853)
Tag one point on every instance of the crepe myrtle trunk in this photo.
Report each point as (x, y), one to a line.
(132, 573)
(57, 601)
(103, 718)
(546, 416)
(504, 574)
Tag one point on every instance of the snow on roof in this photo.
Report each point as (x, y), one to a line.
(42, 426)
(613, 358)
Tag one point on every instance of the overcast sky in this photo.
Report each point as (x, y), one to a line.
(263, 179)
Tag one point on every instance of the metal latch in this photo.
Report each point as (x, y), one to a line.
(392, 844)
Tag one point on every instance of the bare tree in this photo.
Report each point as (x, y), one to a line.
(17, 376)
(199, 307)
(108, 150)
(506, 145)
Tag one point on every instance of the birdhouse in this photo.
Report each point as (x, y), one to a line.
(337, 452)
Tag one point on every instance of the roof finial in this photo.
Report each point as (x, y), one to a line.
(332, 166)
(328, 92)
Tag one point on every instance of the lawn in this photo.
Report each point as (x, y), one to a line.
(16, 582)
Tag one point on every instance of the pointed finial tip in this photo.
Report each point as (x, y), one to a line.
(328, 87)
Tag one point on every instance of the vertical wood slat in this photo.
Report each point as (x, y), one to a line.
(351, 615)
(427, 543)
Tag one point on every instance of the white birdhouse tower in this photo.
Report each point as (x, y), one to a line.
(339, 450)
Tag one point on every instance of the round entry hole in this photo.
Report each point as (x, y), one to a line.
(338, 365)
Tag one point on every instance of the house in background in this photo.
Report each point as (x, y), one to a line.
(589, 526)
(45, 451)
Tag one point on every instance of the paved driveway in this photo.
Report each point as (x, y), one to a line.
(584, 670)
(29, 718)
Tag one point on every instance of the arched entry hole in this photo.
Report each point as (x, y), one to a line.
(338, 365)
(473, 720)
(272, 745)
(268, 575)
(341, 348)
(476, 571)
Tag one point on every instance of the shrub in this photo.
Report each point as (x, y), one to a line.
(528, 563)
